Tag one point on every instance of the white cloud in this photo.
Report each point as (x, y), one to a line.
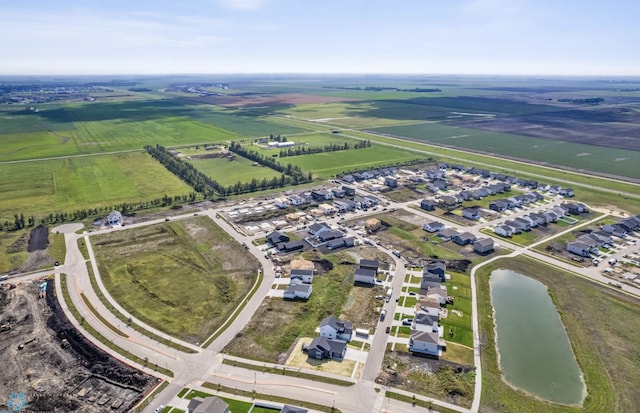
(242, 4)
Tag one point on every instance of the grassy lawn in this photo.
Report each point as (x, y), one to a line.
(278, 323)
(236, 406)
(458, 320)
(607, 351)
(228, 172)
(39, 188)
(328, 164)
(182, 277)
(458, 354)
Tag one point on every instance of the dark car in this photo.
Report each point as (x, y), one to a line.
(388, 329)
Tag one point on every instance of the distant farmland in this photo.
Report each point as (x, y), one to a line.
(228, 172)
(42, 187)
(595, 158)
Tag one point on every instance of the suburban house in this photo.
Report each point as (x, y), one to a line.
(615, 230)
(306, 276)
(322, 347)
(483, 245)
(338, 193)
(604, 237)
(340, 242)
(325, 236)
(365, 276)
(568, 192)
(318, 228)
(426, 342)
(207, 405)
(540, 218)
(290, 246)
(499, 205)
(525, 225)
(471, 213)
(433, 226)
(464, 238)
(433, 275)
(428, 305)
(447, 233)
(425, 322)
(335, 329)
(390, 182)
(370, 264)
(114, 218)
(449, 200)
(438, 293)
(348, 179)
(349, 191)
(516, 227)
(297, 289)
(276, 237)
(320, 195)
(579, 248)
(292, 409)
(503, 230)
(427, 205)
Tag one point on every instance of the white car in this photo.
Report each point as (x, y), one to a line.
(159, 409)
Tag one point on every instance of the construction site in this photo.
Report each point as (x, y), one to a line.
(47, 365)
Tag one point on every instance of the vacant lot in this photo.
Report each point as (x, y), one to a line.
(277, 324)
(605, 342)
(42, 187)
(183, 277)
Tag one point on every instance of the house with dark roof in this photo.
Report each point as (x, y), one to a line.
(306, 276)
(433, 275)
(503, 230)
(540, 218)
(427, 205)
(335, 329)
(325, 236)
(516, 227)
(365, 276)
(321, 195)
(348, 190)
(370, 264)
(423, 321)
(483, 245)
(471, 213)
(464, 238)
(449, 200)
(525, 225)
(615, 230)
(391, 182)
(579, 248)
(499, 205)
(324, 348)
(340, 242)
(348, 179)
(290, 246)
(276, 237)
(338, 193)
(207, 405)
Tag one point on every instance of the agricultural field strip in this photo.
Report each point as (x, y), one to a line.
(82, 155)
(375, 138)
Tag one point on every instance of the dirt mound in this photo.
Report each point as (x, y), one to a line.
(38, 239)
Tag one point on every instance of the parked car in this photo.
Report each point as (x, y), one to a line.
(388, 329)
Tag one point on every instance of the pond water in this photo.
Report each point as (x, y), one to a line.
(534, 351)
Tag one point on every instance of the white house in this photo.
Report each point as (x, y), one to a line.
(503, 230)
(297, 289)
(306, 276)
(434, 226)
(365, 275)
(438, 293)
(579, 248)
(335, 329)
(114, 218)
(426, 342)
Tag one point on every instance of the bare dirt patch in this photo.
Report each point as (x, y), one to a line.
(53, 365)
(38, 239)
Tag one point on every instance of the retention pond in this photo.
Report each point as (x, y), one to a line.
(534, 351)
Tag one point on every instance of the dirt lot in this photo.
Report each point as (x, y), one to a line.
(56, 368)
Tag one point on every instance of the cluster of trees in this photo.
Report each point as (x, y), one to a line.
(208, 187)
(292, 171)
(584, 101)
(382, 88)
(302, 150)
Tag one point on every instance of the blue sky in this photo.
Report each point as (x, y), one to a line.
(550, 37)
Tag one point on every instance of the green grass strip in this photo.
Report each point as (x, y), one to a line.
(287, 372)
(147, 400)
(269, 397)
(101, 318)
(124, 319)
(417, 402)
(93, 332)
(237, 312)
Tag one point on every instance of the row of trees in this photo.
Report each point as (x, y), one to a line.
(293, 171)
(20, 222)
(304, 150)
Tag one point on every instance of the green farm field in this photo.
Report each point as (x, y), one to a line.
(329, 164)
(41, 187)
(599, 159)
(182, 277)
(344, 114)
(228, 172)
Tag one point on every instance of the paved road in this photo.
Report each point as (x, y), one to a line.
(205, 365)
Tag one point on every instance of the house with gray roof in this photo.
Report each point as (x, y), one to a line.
(335, 329)
(292, 409)
(306, 276)
(297, 289)
(365, 275)
(464, 238)
(483, 245)
(447, 234)
(114, 218)
(433, 226)
(325, 348)
(579, 248)
(207, 405)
